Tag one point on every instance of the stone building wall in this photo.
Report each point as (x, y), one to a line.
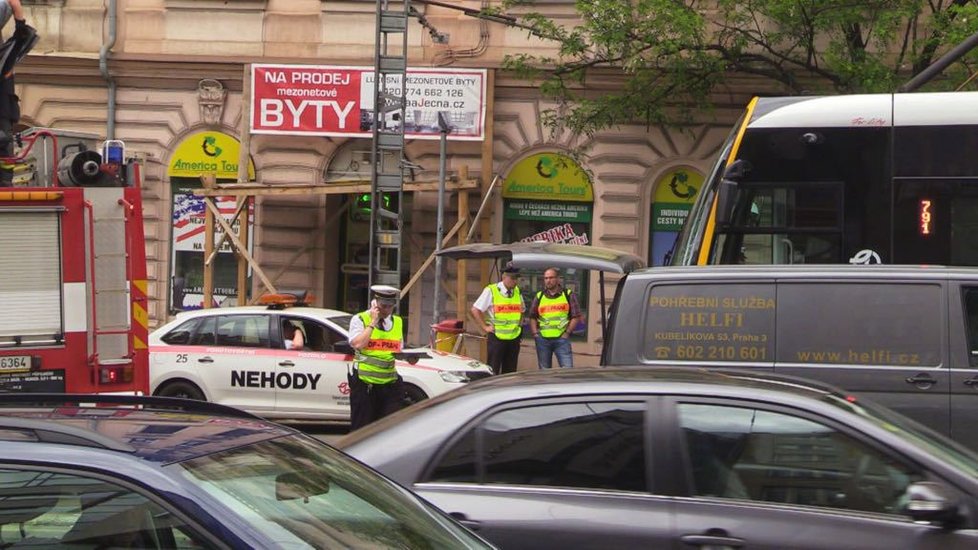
(165, 48)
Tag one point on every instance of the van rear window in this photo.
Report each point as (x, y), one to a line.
(710, 323)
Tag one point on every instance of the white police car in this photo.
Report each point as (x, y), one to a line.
(236, 356)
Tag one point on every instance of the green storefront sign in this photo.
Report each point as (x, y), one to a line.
(548, 211)
(669, 216)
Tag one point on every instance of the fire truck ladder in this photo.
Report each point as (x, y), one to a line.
(387, 153)
(111, 271)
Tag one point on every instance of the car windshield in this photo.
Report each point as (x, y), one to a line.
(919, 435)
(301, 494)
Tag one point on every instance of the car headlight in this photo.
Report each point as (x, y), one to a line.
(454, 376)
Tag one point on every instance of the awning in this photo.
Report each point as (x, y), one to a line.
(543, 255)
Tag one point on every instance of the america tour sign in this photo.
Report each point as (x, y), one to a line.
(325, 100)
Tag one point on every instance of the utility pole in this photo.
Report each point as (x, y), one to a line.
(387, 152)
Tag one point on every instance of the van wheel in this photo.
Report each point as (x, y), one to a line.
(183, 390)
(413, 394)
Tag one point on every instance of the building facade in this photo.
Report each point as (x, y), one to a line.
(168, 78)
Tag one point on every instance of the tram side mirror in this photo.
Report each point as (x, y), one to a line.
(727, 193)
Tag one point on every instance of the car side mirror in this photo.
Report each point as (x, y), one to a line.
(932, 503)
(727, 193)
(344, 347)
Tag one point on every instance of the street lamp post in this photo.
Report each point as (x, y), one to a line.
(444, 127)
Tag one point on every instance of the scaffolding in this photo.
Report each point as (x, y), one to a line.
(245, 194)
(388, 168)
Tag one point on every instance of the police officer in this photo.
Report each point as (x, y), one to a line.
(376, 335)
(504, 305)
(554, 314)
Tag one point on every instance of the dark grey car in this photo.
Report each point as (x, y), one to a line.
(677, 458)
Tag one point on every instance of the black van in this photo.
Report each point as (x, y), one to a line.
(905, 336)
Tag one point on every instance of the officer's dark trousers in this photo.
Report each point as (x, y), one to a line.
(503, 354)
(370, 402)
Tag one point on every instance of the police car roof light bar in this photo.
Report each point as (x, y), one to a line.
(287, 298)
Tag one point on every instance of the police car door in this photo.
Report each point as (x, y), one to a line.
(312, 380)
(240, 371)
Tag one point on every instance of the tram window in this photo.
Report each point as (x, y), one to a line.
(935, 222)
(964, 227)
(789, 248)
(784, 224)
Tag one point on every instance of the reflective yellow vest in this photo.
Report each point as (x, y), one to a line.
(375, 362)
(553, 314)
(506, 313)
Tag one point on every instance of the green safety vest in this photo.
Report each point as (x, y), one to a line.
(375, 362)
(553, 314)
(506, 313)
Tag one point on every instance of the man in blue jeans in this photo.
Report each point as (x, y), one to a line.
(554, 315)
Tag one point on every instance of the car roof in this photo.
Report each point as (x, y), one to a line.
(640, 381)
(152, 429)
(819, 271)
(317, 312)
(625, 379)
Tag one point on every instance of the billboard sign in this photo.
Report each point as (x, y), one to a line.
(327, 100)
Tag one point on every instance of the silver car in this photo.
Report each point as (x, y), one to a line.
(677, 458)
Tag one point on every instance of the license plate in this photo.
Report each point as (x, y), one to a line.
(15, 363)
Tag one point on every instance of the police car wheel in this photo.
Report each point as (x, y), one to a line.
(413, 394)
(183, 390)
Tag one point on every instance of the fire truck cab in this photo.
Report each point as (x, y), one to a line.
(73, 314)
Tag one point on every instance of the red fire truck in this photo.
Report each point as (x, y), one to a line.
(73, 314)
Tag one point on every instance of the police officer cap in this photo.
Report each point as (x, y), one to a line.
(511, 269)
(385, 294)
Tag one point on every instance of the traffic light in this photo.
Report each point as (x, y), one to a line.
(361, 206)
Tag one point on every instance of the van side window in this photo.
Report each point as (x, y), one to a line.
(712, 322)
(894, 324)
(971, 320)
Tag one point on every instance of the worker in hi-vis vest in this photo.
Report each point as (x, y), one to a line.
(499, 311)
(554, 314)
(376, 335)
